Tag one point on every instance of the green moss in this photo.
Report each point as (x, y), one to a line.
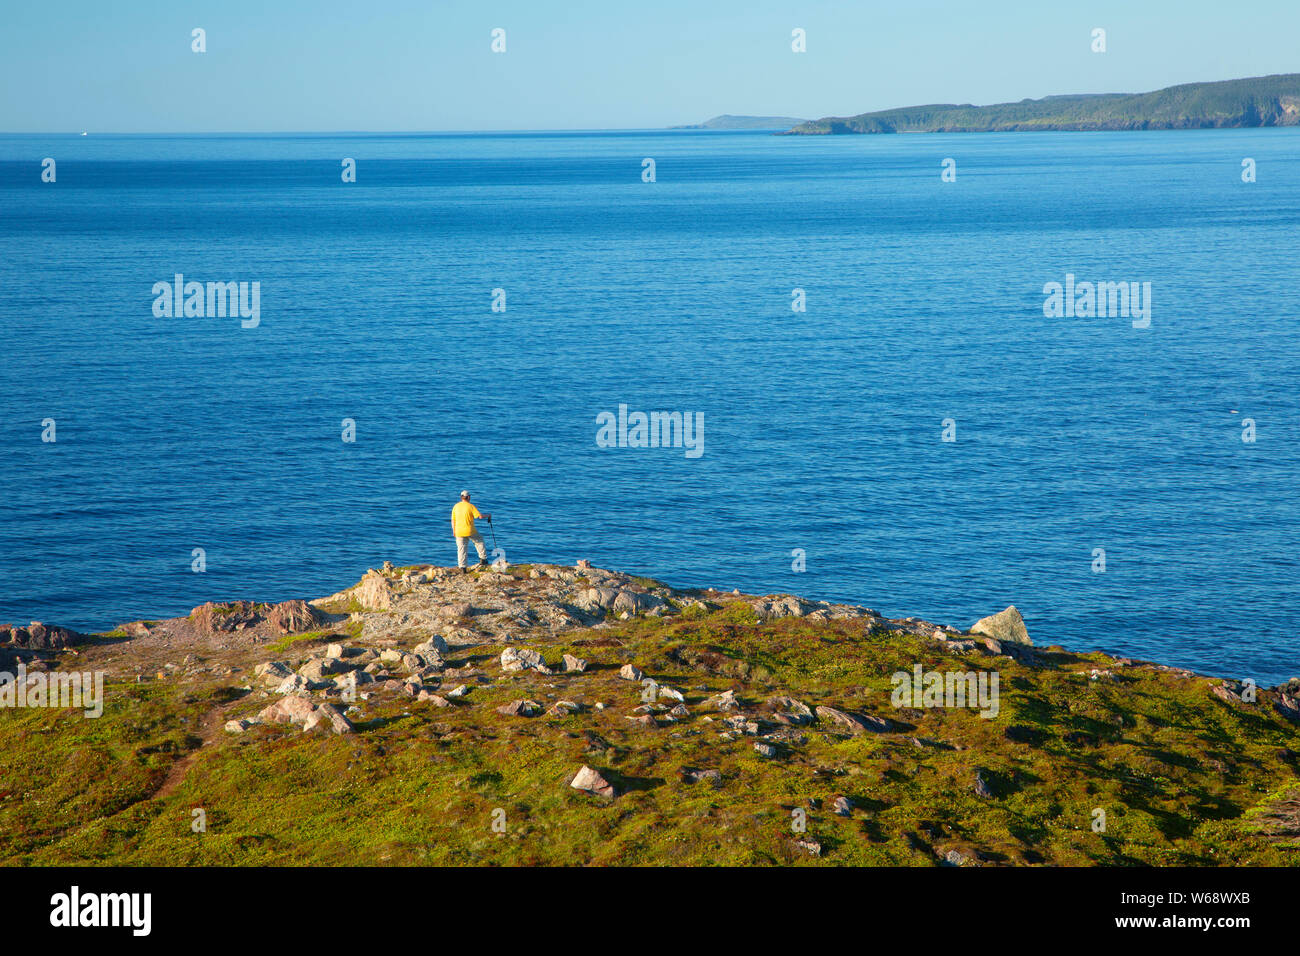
(282, 645)
(1181, 777)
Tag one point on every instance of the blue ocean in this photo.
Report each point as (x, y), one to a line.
(909, 430)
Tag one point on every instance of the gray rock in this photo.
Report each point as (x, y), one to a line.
(787, 710)
(631, 672)
(724, 701)
(435, 645)
(589, 781)
(695, 776)
(521, 658)
(574, 665)
(374, 592)
(1004, 626)
(318, 670)
(853, 723)
(808, 845)
(743, 724)
(328, 713)
(632, 602)
(520, 708)
(293, 708)
(296, 684)
(347, 683)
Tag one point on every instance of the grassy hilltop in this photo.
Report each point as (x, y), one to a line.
(403, 766)
(1257, 101)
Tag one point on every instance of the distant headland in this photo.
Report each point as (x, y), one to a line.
(1229, 104)
(727, 121)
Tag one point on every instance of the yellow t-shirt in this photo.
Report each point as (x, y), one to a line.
(462, 519)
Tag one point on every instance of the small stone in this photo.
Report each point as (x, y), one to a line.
(743, 724)
(293, 684)
(590, 781)
(787, 710)
(843, 806)
(695, 776)
(574, 665)
(854, 723)
(338, 723)
(520, 658)
(764, 750)
(459, 691)
(520, 708)
(724, 701)
(809, 846)
(1225, 694)
(435, 646)
(630, 672)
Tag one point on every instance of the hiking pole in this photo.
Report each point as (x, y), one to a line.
(493, 532)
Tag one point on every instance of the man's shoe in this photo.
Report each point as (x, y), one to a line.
(482, 563)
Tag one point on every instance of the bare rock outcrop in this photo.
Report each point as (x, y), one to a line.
(39, 637)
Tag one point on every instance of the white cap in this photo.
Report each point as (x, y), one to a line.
(464, 494)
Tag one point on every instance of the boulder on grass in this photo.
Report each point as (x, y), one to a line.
(589, 781)
(1004, 626)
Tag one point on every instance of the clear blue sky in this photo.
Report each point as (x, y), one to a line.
(285, 65)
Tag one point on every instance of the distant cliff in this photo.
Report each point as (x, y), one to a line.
(726, 121)
(1257, 101)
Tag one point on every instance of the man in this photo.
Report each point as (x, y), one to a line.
(462, 526)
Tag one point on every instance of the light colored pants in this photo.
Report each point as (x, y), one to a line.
(462, 548)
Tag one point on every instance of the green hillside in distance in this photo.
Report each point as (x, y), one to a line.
(1253, 102)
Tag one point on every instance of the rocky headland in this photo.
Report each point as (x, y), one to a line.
(546, 714)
